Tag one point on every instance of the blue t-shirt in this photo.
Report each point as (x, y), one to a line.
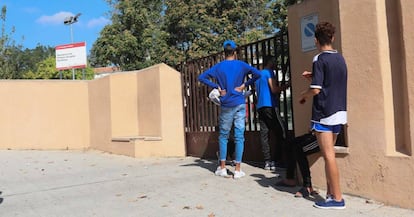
(329, 74)
(265, 97)
(230, 74)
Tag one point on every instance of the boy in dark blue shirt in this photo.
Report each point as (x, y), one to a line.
(328, 89)
(230, 75)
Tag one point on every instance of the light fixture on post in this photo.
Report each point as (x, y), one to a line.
(69, 21)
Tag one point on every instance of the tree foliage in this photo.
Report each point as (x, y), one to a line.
(145, 32)
(132, 37)
(197, 28)
(9, 53)
(46, 69)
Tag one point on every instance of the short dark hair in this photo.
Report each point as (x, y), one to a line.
(324, 33)
(268, 59)
(229, 51)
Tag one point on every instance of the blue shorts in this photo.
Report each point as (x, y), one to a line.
(336, 129)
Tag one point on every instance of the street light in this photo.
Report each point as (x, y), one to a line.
(69, 21)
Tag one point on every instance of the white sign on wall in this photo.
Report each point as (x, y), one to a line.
(71, 56)
(307, 28)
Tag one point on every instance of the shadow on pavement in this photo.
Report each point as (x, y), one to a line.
(210, 165)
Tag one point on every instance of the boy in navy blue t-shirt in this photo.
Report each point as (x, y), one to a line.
(328, 89)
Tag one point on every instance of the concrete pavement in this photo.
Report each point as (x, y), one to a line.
(93, 183)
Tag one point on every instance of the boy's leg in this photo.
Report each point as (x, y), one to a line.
(225, 123)
(291, 159)
(264, 135)
(303, 163)
(326, 144)
(239, 127)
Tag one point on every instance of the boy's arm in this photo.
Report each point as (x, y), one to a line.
(205, 78)
(308, 93)
(275, 87)
(255, 75)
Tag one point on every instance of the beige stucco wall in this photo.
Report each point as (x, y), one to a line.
(380, 164)
(158, 116)
(124, 104)
(149, 83)
(143, 108)
(44, 115)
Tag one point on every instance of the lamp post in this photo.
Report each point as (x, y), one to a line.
(69, 21)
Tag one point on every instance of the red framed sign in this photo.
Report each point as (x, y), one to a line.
(71, 56)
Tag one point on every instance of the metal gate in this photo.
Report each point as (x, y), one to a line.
(201, 115)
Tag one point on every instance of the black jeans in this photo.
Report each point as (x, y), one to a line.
(297, 155)
(270, 122)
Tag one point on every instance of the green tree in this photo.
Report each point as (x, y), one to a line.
(130, 41)
(10, 53)
(30, 57)
(279, 13)
(145, 32)
(197, 28)
(46, 69)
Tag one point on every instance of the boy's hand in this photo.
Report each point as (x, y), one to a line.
(239, 88)
(303, 97)
(307, 75)
(222, 92)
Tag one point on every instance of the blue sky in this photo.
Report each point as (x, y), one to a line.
(41, 21)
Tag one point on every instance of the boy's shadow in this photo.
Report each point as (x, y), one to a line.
(209, 165)
(264, 181)
(1, 199)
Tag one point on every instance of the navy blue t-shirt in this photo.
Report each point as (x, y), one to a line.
(329, 74)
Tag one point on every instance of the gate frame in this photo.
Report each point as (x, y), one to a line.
(201, 115)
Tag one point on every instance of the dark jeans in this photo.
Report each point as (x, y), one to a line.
(297, 155)
(270, 122)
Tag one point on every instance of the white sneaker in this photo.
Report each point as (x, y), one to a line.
(221, 172)
(270, 165)
(238, 174)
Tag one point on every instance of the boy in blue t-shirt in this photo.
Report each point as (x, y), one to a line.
(230, 75)
(268, 90)
(328, 89)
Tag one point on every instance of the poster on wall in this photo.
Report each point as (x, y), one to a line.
(307, 27)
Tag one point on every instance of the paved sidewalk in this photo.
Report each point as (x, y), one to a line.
(92, 183)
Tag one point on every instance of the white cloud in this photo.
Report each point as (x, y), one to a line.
(56, 19)
(101, 21)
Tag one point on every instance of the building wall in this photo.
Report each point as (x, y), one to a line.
(44, 114)
(375, 40)
(124, 104)
(137, 113)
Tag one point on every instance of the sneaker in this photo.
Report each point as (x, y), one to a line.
(270, 165)
(221, 172)
(329, 197)
(238, 174)
(330, 204)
